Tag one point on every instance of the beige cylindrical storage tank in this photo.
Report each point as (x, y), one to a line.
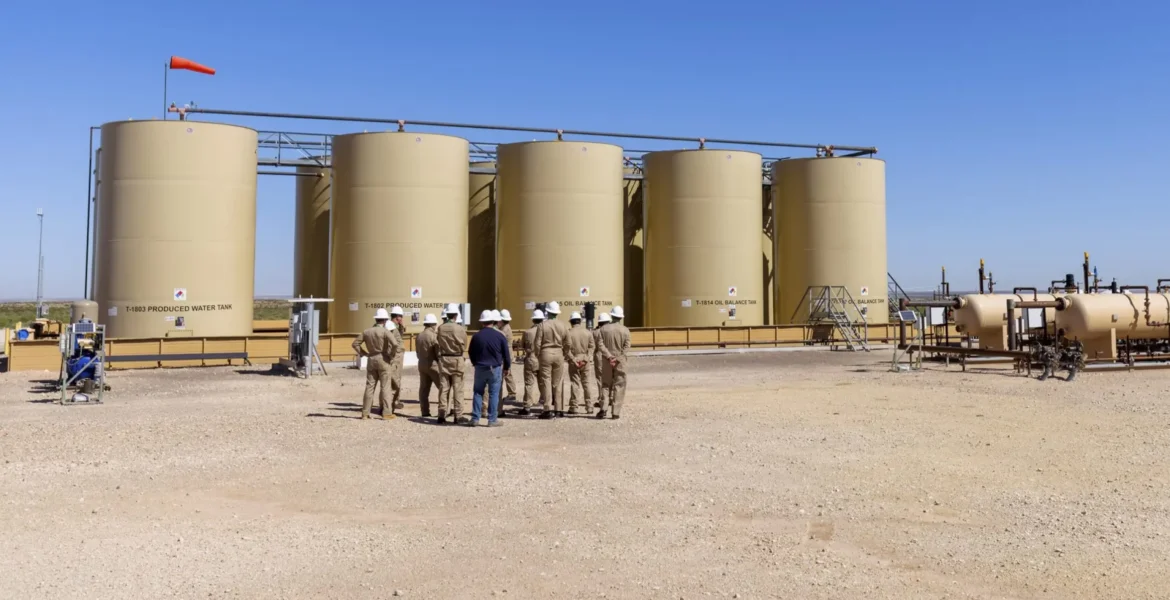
(560, 226)
(634, 282)
(83, 309)
(703, 260)
(830, 231)
(311, 238)
(1100, 320)
(399, 226)
(985, 316)
(176, 229)
(481, 237)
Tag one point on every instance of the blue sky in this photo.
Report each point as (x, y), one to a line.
(1021, 132)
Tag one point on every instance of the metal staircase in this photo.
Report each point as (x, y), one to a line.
(833, 306)
(895, 294)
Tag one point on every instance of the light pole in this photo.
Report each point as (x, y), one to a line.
(41, 312)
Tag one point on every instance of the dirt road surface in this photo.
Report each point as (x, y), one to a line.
(771, 475)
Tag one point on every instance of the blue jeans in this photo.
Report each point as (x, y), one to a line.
(490, 378)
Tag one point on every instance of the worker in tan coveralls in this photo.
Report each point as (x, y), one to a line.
(527, 345)
(379, 352)
(580, 359)
(602, 319)
(509, 385)
(615, 340)
(426, 345)
(452, 343)
(552, 338)
(397, 330)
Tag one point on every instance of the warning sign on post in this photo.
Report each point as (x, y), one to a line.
(731, 291)
(180, 294)
(416, 292)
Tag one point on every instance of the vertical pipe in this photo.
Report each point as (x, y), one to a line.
(88, 214)
(990, 283)
(981, 276)
(40, 263)
(166, 70)
(1011, 323)
(1087, 290)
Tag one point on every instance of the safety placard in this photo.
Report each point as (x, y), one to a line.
(112, 312)
(180, 294)
(864, 290)
(416, 292)
(731, 291)
(353, 306)
(529, 306)
(686, 303)
(585, 291)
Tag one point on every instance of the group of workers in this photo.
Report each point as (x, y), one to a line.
(595, 360)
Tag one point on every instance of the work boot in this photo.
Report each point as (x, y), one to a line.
(548, 414)
(427, 414)
(572, 410)
(495, 424)
(442, 418)
(601, 414)
(470, 423)
(617, 417)
(597, 404)
(524, 412)
(387, 416)
(365, 416)
(399, 405)
(560, 414)
(462, 421)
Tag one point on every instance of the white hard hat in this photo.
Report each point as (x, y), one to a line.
(538, 315)
(505, 315)
(553, 308)
(396, 311)
(430, 320)
(617, 313)
(575, 316)
(486, 316)
(497, 315)
(381, 315)
(604, 318)
(452, 309)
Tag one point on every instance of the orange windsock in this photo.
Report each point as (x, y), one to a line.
(182, 63)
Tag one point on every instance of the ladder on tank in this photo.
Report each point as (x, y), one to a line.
(830, 305)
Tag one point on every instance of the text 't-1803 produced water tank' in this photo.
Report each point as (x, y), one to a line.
(311, 240)
(560, 226)
(481, 237)
(831, 231)
(399, 226)
(703, 223)
(175, 245)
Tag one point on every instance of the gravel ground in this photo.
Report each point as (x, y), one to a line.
(771, 475)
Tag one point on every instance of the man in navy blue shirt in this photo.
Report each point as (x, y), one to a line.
(492, 361)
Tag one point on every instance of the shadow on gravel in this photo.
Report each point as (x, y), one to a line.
(44, 400)
(273, 372)
(325, 416)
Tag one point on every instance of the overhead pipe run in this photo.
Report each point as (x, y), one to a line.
(822, 149)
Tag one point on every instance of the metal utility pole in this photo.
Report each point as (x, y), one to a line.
(41, 312)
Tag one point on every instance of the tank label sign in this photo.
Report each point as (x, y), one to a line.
(160, 308)
(724, 302)
(112, 312)
(180, 294)
(872, 301)
(584, 291)
(731, 291)
(529, 306)
(353, 306)
(404, 305)
(416, 292)
(686, 303)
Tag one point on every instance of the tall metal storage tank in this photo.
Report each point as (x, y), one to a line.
(311, 238)
(481, 237)
(703, 222)
(560, 225)
(176, 229)
(634, 283)
(399, 226)
(831, 231)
